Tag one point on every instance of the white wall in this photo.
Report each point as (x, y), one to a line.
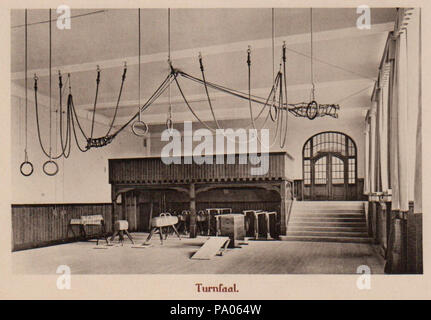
(83, 177)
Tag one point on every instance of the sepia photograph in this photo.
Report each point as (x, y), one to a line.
(248, 140)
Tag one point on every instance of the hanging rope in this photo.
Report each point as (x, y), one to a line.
(169, 122)
(286, 110)
(123, 77)
(64, 144)
(139, 127)
(312, 56)
(23, 168)
(95, 101)
(273, 107)
(50, 86)
(279, 104)
(160, 90)
(206, 91)
(188, 104)
(250, 100)
(312, 108)
(50, 161)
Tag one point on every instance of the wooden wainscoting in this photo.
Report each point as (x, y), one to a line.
(354, 192)
(39, 225)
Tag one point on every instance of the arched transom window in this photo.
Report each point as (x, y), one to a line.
(339, 168)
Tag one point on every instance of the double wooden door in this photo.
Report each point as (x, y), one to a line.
(329, 177)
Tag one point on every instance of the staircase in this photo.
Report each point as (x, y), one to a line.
(332, 221)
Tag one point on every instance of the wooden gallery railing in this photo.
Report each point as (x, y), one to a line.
(191, 178)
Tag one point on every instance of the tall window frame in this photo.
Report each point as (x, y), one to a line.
(332, 142)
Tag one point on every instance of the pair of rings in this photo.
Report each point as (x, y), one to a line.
(27, 168)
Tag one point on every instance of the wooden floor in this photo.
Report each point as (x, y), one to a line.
(173, 257)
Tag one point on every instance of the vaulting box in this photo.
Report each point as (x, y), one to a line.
(232, 225)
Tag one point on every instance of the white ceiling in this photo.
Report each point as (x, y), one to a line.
(346, 58)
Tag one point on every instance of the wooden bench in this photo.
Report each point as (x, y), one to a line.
(91, 220)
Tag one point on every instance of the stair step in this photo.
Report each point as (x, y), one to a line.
(327, 239)
(330, 204)
(293, 227)
(325, 220)
(329, 214)
(325, 211)
(319, 223)
(330, 221)
(328, 233)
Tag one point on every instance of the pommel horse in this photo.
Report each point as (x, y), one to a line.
(164, 220)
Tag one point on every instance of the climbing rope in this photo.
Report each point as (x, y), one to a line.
(206, 91)
(285, 110)
(273, 106)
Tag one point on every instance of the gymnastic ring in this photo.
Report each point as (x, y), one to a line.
(169, 125)
(21, 168)
(312, 106)
(137, 132)
(50, 173)
(273, 118)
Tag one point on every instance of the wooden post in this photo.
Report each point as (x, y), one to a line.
(114, 212)
(283, 208)
(396, 262)
(192, 194)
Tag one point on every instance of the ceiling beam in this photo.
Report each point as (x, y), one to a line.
(214, 50)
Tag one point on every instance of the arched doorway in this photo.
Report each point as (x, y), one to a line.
(330, 167)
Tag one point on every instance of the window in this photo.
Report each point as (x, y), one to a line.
(320, 171)
(344, 154)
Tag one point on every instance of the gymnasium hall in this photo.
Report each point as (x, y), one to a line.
(216, 140)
